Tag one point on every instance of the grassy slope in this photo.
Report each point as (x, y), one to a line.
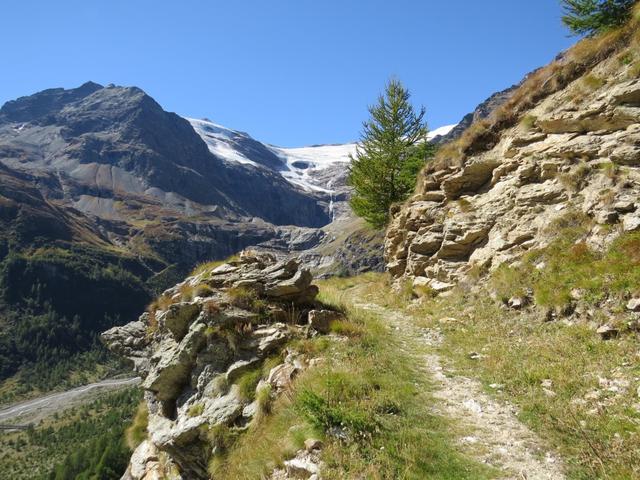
(575, 390)
(367, 388)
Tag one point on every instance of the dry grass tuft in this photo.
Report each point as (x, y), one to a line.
(579, 59)
(137, 431)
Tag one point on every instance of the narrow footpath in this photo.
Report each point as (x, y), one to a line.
(492, 432)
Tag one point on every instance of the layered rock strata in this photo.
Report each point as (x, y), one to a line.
(576, 154)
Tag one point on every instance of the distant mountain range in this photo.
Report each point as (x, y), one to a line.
(96, 180)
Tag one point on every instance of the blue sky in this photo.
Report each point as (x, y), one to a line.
(294, 72)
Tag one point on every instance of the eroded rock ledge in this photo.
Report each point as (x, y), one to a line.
(195, 347)
(576, 154)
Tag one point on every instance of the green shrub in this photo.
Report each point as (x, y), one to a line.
(247, 384)
(137, 431)
(195, 409)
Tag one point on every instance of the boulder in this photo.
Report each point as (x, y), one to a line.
(624, 206)
(634, 305)
(631, 223)
(178, 317)
(607, 332)
(311, 444)
(301, 467)
(517, 302)
(175, 361)
(281, 376)
(469, 179)
(193, 354)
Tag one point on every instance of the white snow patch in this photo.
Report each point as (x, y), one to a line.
(220, 141)
(440, 131)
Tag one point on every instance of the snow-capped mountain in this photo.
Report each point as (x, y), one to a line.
(316, 168)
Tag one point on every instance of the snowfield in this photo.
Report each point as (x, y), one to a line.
(303, 164)
(440, 131)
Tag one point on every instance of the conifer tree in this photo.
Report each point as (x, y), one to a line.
(391, 152)
(592, 16)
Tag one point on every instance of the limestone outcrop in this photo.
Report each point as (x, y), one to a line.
(575, 154)
(201, 351)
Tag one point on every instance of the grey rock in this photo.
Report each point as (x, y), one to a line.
(178, 317)
(607, 332)
(631, 223)
(634, 305)
(624, 206)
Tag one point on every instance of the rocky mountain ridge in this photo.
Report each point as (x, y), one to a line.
(575, 153)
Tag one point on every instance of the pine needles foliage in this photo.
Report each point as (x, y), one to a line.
(391, 152)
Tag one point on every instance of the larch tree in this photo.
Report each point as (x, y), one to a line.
(391, 152)
(588, 17)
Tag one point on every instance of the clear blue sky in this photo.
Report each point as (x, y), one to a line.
(292, 72)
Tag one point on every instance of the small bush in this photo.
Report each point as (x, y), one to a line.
(195, 409)
(263, 398)
(245, 298)
(346, 328)
(465, 205)
(610, 169)
(528, 122)
(625, 58)
(634, 70)
(327, 415)
(593, 82)
(575, 179)
(247, 384)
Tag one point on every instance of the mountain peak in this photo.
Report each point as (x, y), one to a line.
(46, 102)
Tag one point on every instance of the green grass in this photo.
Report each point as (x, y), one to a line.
(528, 122)
(520, 351)
(592, 422)
(208, 266)
(568, 264)
(136, 433)
(593, 82)
(195, 410)
(371, 392)
(247, 384)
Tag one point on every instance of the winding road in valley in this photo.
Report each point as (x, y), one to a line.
(34, 410)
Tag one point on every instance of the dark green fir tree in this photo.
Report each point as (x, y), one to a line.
(391, 152)
(588, 17)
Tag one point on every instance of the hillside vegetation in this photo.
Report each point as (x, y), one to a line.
(86, 442)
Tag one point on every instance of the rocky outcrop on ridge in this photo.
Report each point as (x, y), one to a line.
(195, 347)
(576, 153)
(483, 110)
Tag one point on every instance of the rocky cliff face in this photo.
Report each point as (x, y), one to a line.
(201, 351)
(575, 152)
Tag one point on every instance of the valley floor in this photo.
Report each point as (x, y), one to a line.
(35, 410)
